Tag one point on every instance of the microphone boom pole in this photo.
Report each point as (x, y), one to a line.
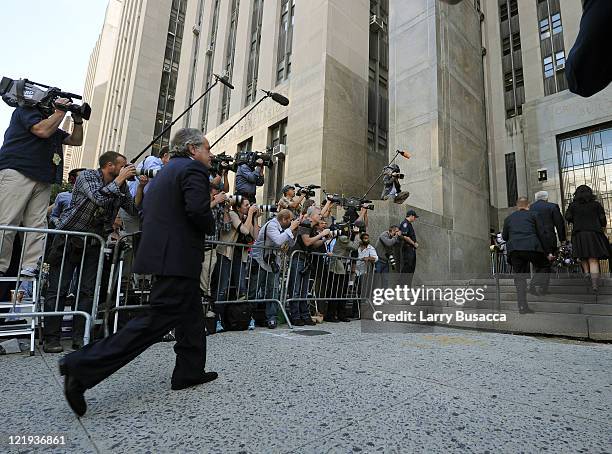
(275, 96)
(218, 79)
(397, 153)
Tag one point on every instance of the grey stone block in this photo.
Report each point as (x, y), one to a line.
(600, 327)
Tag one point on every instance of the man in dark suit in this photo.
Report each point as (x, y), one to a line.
(588, 68)
(177, 215)
(524, 234)
(552, 220)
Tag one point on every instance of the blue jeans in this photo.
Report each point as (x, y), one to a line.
(264, 285)
(381, 268)
(299, 280)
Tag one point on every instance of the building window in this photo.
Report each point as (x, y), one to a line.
(172, 55)
(511, 182)
(277, 135)
(247, 145)
(229, 59)
(285, 40)
(585, 157)
(551, 46)
(210, 57)
(254, 43)
(378, 79)
(512, 61)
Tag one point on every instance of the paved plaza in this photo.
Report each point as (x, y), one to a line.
(287, 391)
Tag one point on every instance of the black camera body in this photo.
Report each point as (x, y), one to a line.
(25, 93)
(221, 162)
(250, 157)
(307, 191)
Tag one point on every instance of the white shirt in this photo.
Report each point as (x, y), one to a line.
(361, 267)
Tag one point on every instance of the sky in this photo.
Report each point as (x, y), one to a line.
(48, 41)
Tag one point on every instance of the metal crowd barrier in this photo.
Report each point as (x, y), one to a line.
(499, 263)
(60, 269)
(231, 275)
(334, 279)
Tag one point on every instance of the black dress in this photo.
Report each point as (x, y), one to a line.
(588, 220)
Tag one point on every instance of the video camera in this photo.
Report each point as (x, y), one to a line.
(250, 157)
(25, 93)
(353, 203)
(308, 191)
(221, 162)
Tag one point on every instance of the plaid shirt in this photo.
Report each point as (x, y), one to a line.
(94, 205)
(220, 225)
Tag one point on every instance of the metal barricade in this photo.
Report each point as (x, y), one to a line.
(230, 275)
(68, 261)
(324, 277)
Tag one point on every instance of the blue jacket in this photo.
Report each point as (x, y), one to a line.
(177, 216)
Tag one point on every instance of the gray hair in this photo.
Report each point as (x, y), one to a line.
(541, 195)
(183, 138)
(312, 209)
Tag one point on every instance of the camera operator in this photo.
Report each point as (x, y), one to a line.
(96, 199)
(392, 187)
(308, 239)
(249, 178)
(31, 161)
(409, 246)
(289, 200)
(231, 261)
(278, 232)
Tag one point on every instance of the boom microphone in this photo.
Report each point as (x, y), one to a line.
(283, 101)
(224, 80)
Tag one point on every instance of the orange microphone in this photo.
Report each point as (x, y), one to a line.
(404, 153)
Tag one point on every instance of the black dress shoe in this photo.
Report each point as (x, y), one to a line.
(207, 377)
(309, 322)
(52, 346)
(73, 390)
(331, 320)
(344, 319)
(298, 323)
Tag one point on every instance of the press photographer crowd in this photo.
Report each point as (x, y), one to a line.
(165, 249)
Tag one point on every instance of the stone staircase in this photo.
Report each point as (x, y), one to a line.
(569, 309)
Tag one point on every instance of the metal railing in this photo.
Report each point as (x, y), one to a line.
(68, 260)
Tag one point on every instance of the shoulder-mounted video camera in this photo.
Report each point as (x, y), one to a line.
(250, 158)
(25, 93)
(221, 162)
(353, 203)
(307, 191)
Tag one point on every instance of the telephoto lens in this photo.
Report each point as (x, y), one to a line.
(149, 173)
(268, 208)
(234, 199)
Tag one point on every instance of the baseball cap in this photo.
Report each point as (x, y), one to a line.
(287, 187)
(412, 213)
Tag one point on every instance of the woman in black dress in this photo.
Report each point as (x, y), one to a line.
(589, 244)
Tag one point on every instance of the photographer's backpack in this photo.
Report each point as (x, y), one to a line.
(237, 316)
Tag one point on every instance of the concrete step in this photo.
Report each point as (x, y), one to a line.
(600, 327)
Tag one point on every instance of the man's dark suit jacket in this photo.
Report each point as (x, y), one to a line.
(523, 231)
(177, 215)
(551, 219)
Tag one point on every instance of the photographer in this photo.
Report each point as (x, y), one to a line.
(231, 261)
(387, 241)
(96, 199)
(278, 232)
(338, 279)
(308, 239)
(392, 187)
(290, 202)
(223, 224)
(249, 178)
(366, 253)
(31, 160)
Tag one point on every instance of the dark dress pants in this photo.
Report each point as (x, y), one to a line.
(520, 261)
(175, 304)
(408, 264)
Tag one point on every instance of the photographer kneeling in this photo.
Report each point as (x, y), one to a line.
(308, 239)
(231, 260)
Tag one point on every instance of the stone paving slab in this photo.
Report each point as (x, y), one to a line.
(282, 392)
